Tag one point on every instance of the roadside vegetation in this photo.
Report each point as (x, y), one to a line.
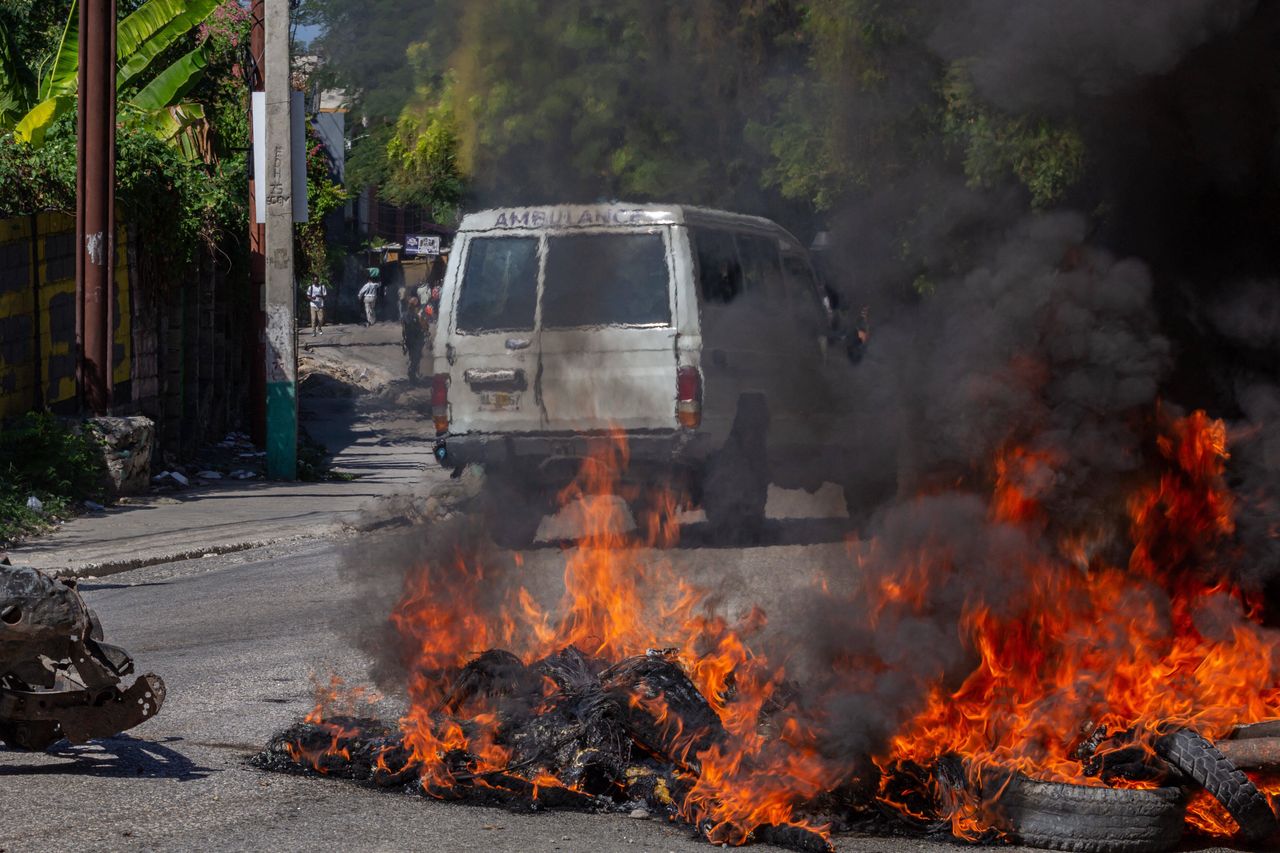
(46, 468)
(793, 109)
(181, 169)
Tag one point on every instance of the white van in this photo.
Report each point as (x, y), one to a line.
(699, 333)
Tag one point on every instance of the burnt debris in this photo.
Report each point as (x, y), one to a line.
(58, 678)
(580, 734)
(625, 738)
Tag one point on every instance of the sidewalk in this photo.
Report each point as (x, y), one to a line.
(388, 451)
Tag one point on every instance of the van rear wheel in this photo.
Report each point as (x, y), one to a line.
(513, 510)
(735, 486)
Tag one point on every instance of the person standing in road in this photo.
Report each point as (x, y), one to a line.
(415, 335)
(316, 295)
(369, 296)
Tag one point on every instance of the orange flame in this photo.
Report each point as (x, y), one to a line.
(1125, 629)
(1142, 648)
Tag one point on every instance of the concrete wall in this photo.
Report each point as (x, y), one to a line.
(38, 315)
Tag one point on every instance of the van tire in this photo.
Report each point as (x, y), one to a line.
(513, 511)
(735, 486)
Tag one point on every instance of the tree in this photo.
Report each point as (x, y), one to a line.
(151, 82)
(422, 156)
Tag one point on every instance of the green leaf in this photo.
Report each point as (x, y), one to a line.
(150, 18)
(34, 124)
(66, 62)
(174, 123)
(193, 15)
(172, 84)
(17, 81)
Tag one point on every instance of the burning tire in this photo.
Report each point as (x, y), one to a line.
(1084, 819)
(1200, 760)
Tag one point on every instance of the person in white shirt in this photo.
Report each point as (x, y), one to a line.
(369, 295)
(316, 295)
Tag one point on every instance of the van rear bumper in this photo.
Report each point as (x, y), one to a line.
(558, 456)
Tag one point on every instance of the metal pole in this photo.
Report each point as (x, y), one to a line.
(282, 364)
(257, 343)
(95, 200)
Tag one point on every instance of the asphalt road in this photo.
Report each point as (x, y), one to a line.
(238, 639)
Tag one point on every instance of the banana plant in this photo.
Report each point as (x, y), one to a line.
(155, 94)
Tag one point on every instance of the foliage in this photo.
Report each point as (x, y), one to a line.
(151, 82)
(177, 201)
(1046, 157)
(29, 33)
(313, 258)
(364, 48)
(422, 155)
(41, 457)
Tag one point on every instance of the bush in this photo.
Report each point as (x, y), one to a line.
(40, 456)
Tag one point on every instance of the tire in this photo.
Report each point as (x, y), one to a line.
(512, 511)
(735, 486)
(1201, 761)
(1084, 819)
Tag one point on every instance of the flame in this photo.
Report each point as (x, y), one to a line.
(1144, 647)
(621, 599)
(334, 702)
(1125, 627)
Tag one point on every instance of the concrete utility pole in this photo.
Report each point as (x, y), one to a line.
(282, 356)
(257, 350)
(96, 202)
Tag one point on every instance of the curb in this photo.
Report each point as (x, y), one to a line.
(115, 567)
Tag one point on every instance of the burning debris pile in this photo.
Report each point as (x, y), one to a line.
(569, 731)
(1079, 720)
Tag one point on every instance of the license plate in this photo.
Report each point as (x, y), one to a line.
(499, 401)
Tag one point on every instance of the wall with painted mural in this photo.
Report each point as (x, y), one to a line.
(38, 315)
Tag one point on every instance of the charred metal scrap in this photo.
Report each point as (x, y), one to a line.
(58, 679)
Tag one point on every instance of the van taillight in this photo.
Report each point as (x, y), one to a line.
(689, 397)
(440, 402)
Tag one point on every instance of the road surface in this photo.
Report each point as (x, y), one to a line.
(239, 638)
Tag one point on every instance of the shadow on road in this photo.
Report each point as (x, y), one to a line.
(117, 757)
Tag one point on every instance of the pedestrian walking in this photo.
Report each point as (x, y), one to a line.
(317, 293)
(369, 296)
(414, 334)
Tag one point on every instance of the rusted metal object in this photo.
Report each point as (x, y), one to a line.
(1252, 753)
(1261, 729)
(58, 679)
(96, 201)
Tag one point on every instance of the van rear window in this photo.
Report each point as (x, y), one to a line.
(606, 280)
(499, 285)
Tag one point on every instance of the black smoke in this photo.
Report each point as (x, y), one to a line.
(1152, 287)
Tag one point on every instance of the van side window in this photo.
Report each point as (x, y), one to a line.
(499, 285)
(762, 271)
(606, 280)
(809, 303)
(719, 272)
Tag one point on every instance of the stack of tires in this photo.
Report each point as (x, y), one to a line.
(1085, 819)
